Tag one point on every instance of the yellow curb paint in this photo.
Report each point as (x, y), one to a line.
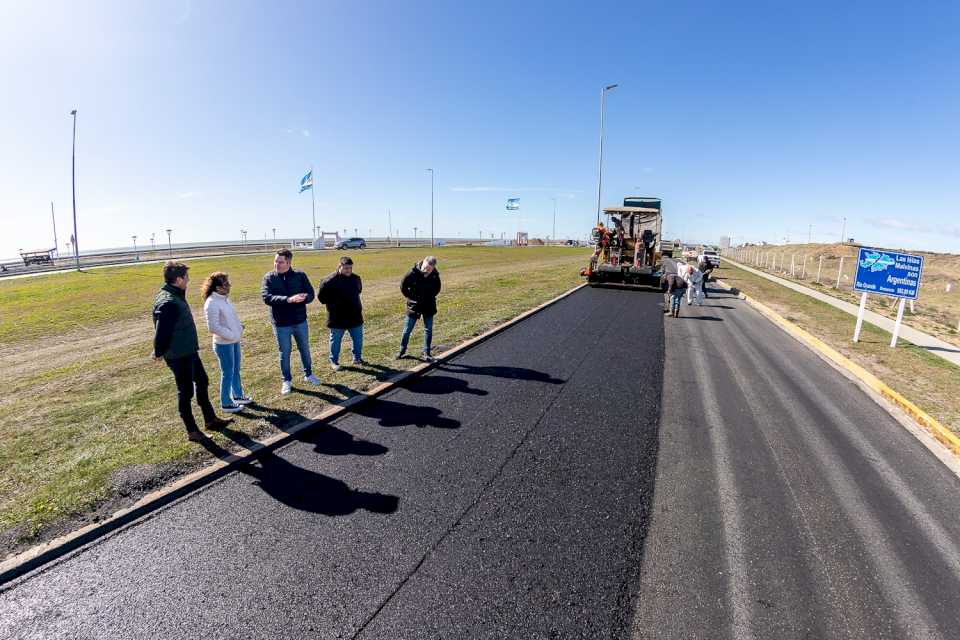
(257, 446)
(934, 427)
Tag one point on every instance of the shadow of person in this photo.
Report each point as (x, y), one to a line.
(331, 441)
(306, 490)
(438, 385)
(514, 373)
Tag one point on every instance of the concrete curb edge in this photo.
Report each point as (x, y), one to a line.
(42, 554)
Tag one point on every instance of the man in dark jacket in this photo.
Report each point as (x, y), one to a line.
(706, 268)
(288, 292)
(340, 293)
(673, 287)
(420, 287)
(175, 341)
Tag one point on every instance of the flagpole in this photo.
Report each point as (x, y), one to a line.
(313, 204)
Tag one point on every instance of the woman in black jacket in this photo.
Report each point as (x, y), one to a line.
(420, 287)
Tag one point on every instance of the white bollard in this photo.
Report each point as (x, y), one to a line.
(839, 273)
(793, 271)
(803, 273)
(819, 269)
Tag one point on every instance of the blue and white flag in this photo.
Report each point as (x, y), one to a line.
(306, 182)
(513, 204)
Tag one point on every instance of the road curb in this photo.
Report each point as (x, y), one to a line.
(42, 554)
(930, 424)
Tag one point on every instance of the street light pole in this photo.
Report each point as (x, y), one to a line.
(153, 245)
(169, 245)
(554, 236)
(603, 93)
(431, 206)
(135, 247)
(73, 175)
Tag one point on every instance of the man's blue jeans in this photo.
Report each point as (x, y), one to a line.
(336, 338)
(230, 387)
(427, 333)
(301, 334)
(675, 298)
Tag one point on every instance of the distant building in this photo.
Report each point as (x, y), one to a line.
(724, 242)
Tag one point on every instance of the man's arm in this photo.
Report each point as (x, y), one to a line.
(269, 298)
(308, 289)
(405, 286)
(164, 320)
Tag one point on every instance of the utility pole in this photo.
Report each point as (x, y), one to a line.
(153, 245)
(135, 248)
(56, 247)
(389, 225)
(169, 245)
(73, 174)
(274, 234)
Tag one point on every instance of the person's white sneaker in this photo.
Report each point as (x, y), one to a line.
(286, 387)
(312, 379)
(234, 408)
(335, 366)
(243, 400)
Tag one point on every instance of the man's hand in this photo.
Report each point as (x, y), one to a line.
(297, 299)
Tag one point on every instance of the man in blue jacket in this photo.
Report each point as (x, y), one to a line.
(288, 292)
(175, 342)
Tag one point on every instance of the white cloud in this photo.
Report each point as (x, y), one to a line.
(305, 133)
(288, 130)
(647, 170)
(187, 194)
(901, 225)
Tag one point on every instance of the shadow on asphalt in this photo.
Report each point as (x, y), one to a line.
(390, 413)
(440, 385)
(306, 490)
(709, 318)
(514, 373)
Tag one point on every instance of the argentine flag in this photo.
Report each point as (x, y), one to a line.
(513, 204)
(306, 182)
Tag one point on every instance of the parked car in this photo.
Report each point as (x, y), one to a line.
(689, 252)
(710, 256)
(350, 243)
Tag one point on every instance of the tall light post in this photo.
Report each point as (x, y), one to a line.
(554, 236)
(73, 175)
(274, 234)
(431, 206)
(135, 247)
(153, 245)
(169, 244)
(603, 93)
(243, 232)
(414, 235)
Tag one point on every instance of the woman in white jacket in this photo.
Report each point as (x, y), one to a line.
(224, 324)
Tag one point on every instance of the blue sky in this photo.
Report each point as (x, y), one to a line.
(757, 120)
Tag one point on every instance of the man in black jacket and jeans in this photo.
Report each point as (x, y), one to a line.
(288, 292)
(175, 341)
(420, 287)
(340, 292)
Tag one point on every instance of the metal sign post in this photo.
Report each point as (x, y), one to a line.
(888, 273)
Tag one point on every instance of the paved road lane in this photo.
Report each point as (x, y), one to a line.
(788, 504)
(490, 499)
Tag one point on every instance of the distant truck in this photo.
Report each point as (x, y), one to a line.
(627, 246)
(711, 256)
(42, 258)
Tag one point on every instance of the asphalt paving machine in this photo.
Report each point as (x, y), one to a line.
(627, 244)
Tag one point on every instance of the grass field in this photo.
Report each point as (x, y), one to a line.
(929, 381)
(88, 420)
(936, 312)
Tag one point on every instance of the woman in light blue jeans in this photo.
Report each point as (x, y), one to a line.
(225, 325)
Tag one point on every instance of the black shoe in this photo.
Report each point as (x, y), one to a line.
(217, 423)
(401, 354)
(427, 357)
(196, 435)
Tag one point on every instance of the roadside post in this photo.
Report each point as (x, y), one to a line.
(888, 273)
(839, 273)
(819, 269)
(803, 272)
(793, 264)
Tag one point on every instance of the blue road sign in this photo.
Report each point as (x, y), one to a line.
(889, 273)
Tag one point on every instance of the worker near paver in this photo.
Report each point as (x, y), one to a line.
(340, 293)
(420, 287)
(706, 268)
(694, 279)
(175, 342)
(673, 286)
(288, 292)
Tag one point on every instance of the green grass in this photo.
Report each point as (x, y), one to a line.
(81, 399)
(927, 380)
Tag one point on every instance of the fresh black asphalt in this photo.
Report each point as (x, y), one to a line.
(500, 496)
(596, 471)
